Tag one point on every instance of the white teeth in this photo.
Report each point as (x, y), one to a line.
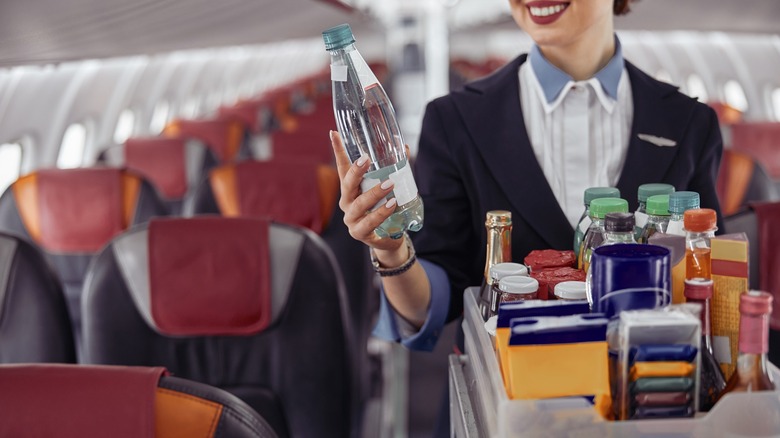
(543, 12)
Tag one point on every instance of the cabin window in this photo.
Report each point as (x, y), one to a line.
(663, 76)
(190, 109)
(72, 147)
(159, 117)
(776, 103)
(124, 126)
(697, 89)
(10, 163)
(735, 95)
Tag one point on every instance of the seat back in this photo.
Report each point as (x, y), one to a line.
(224, 136)
(742, 180)
(34, 323)
(174, 166)
(72, 213)
(251, 307)
(760, 140)
(138, 402)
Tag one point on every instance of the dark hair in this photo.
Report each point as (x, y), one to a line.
(621, 7)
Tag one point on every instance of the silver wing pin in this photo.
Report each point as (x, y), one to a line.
(658, 141)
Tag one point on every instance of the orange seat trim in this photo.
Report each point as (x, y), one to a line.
(739, 170)
(131, 187)
(180, 415)
(224, 185)
(25, 191)
(329, 187)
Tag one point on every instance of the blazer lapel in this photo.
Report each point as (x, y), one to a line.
(493, 116)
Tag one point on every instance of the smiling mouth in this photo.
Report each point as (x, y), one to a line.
(544, 12)
(547, 11)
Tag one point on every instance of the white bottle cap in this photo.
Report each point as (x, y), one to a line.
(571, 290)
(501, 270)
(517, 284)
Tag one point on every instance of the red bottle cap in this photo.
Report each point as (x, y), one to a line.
(698, 289)
(700, 220)
(755, 303)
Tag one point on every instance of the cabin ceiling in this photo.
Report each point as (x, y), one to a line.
(46, 31)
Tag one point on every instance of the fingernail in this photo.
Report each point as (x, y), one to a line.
(330, 134)
(362, 160)
(390, 203)
(387, 184)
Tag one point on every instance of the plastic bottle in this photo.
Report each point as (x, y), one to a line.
(584, 222)
(645, 191)
(618, 228)
(366, 121)
(657, 218)
(679, 203)
(700, 227)
(594, 237)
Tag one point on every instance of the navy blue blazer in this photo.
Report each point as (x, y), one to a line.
(475, 156)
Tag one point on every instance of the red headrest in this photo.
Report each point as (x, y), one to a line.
(78, 401)
(222, 136)
(761, 140)
(162, 161)
(209, 276)
(303, 143)
(247, 112)
(768, 216)
(80, 209)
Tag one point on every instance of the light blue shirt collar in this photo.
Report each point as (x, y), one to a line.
(552, 79)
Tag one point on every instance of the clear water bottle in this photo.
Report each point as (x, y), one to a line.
(366, 121)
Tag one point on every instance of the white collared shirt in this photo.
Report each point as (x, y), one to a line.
(580, 139)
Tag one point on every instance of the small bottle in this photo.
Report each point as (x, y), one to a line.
(498, 225)
(594, 237)
(711, 380)
(657, 217)
(700, 227)
(752, 373)
(584, 222)
(619, 228)
(679, 203)
(498, 272)
(517, 288)
(571, 291)
(366, 121)
(645, 191)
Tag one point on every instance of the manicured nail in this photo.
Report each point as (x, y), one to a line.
(330, 134)
(362, 160)
(390, 203)
(387, 184)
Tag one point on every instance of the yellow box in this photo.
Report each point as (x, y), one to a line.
(502, 344)
(730, 280)
(558, 370)
(676, 246)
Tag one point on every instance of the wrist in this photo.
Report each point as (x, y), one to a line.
(391, 262)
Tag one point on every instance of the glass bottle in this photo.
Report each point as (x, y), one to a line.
(679, 203)
(618, 228)
(498, 272)
(645, 191)
(366, 121)
(594, 237)
(584, 222)
(657, 217)
(711, 380)
(498, 225)
(752, 373)
(700, 227)
(517, 288)
(571, 291)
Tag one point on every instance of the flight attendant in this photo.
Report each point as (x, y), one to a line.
(571, 114)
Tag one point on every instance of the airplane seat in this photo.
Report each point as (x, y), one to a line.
(760, 223)
(252, 307)
(760, 140)
(34, 322)
(174, 166)
(226, 137)
(119, 402)
(308, 139)
(70, 214)
(742, 180)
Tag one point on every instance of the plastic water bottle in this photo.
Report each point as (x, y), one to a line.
(366, 121)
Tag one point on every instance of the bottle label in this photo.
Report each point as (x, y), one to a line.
(405, 189)
(585, 224)
(338, 73)
(640, 219)
(676, 228)
(366, 185)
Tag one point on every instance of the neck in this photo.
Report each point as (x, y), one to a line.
(583, 58)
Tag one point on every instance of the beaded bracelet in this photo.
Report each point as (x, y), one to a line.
(390, 272)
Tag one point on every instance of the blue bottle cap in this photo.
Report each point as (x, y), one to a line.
(338, 37)
(679, 202)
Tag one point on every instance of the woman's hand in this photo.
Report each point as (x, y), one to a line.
(358, 217)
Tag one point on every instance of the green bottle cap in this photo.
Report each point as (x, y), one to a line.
(338, 37)
(647, 190)
(601, 206)
(600, 192)
(658, 205)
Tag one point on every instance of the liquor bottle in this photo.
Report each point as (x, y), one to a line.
(679, 203)
(711, 380)
(618, 228)
(498, 225)
(699, 229)
(657, 217)
(752, 373)
(645, 191)
(366, 121)
(594, 237)
(584, 222)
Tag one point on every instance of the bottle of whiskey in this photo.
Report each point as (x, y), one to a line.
(498, 224)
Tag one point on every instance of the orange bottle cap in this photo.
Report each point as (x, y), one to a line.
(699, 220)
